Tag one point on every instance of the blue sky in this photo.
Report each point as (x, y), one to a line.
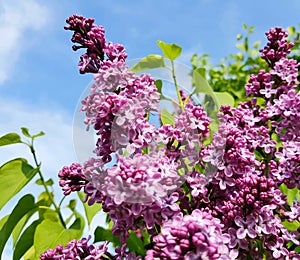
(40, 85)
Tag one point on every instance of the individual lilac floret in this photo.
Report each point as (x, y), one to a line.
(277, 46)
(195, 236)
(78, 250)
(72, 178)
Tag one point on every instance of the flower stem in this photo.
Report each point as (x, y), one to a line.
(57, 208)
(181, 105)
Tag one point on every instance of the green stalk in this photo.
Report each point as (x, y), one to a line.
(181, 105)
(57, 208)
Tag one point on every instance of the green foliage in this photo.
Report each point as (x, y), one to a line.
(292, 195)
(171, 51)
(151, 61)
(102, 234)
(166, 117)
(35, 224)
(24, 205)
(10, 138)
(50, 233)
(14, 175)
(233, 72)
(90, 211)
(26, 240)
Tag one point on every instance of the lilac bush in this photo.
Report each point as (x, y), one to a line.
(185, 192)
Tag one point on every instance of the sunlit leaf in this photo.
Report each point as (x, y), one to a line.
(24, 205)
(152, 61)
(224, 98)
(38, 135)
(10, 138)
(202, 86)
(48, 182)
(90, 211)
(21, 224)
(291, 194)
(50, 233)
(3, 221)
(25, 132)
(291, 226)
(25, 241)
(166, 117)
(170, 50)
(14, 175)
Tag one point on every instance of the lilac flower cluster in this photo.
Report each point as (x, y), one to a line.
(91, 37)
(117, 106)
(277, 46)
(78, 250)
(194, 236)
(220, 201)
(136, 190)
(245, 164)
(72, 178)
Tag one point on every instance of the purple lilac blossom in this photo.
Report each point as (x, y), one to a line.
(78, 250)
(194, 236)
(230, 206)
(72, 178)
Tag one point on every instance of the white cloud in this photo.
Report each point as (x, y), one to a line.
(16, 18)
(54, 149)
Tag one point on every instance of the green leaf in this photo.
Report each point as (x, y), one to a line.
(202, 86)
(291, 226)
(224, 98)
(200, 83)
(170, 50)
(256, 44)
(90, 211)
(72, 205)
(291, 30)
(51, 233)
(3, 221)
(158, 84)
(38, 135)
(241, 46)
(25, 132)
(46, 198)
(14, 175)
(10, 138)
(152, 61)
(102, 234)
(166, 117)
(48, 182)
(47, 213)
(25, 241)
(24, 205)
(21, 224)
(135, 244)
(292, 195)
